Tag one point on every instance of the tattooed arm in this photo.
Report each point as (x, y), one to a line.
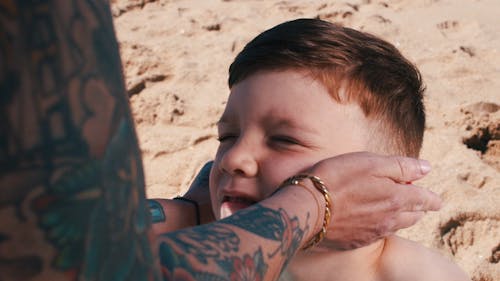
(253, 244)
(73, 204)
(194, 209)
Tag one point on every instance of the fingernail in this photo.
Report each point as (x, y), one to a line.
(425, 166)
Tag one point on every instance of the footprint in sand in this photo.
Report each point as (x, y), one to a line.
(212, 27)
(473, 235)
(339, 13)
(481, 125)
(461, 234)
(290, 7)
(157, 108)
(448, 25)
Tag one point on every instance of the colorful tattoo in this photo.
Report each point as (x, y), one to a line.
(156, 211)
(250, 267)
(273, 225)
(221, 244)
(68, 149)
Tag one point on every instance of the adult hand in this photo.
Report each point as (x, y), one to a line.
(372, 197)
(199, 192)
(170, 215)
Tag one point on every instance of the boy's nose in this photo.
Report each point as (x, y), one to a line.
(239, 160)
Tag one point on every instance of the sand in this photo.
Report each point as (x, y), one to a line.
(176, 55)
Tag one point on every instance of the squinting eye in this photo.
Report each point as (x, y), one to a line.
(284, 140)
(225, 138)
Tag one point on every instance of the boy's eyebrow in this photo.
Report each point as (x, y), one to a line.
(278, 122)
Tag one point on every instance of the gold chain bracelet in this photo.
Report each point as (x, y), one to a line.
(320, 186)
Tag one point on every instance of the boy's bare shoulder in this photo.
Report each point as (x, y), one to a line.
(407, 260)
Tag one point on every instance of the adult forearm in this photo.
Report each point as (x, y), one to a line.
(170, 215)
(253, 244)
(193, 208)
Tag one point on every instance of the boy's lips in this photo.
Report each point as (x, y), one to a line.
(232, 204)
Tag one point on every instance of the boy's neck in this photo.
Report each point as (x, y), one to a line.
(358, 264)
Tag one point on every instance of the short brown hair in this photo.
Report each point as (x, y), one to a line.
(354, 66)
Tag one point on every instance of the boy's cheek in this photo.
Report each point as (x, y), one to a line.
(215, 207)
(288, 167)
(213, 199)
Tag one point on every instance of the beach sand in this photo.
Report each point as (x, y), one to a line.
(176, 55)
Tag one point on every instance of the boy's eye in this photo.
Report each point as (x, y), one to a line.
(224, 138)
(286, 140)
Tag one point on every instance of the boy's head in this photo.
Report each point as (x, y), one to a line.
(281, 119)
(355, 67)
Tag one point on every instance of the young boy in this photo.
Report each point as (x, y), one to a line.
(307, 90)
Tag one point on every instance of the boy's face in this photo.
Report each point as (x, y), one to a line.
(275, 125)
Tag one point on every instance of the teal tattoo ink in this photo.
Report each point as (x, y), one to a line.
(156, 211)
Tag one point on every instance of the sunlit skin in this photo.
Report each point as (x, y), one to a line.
(282, 119)
(287, 119)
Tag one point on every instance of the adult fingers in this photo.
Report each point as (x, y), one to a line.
(412, 198)
(406, 219)
(201, 180)
(403, 207)
(400, 169)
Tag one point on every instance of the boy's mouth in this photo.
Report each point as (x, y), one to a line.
(232, 204)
